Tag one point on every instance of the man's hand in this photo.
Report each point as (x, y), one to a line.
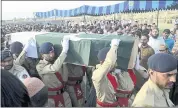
(29, 43)
(115, 42)
(65, 44)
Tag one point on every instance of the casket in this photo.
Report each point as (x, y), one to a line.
(83, 49)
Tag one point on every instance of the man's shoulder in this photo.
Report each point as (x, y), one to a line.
(149, 48)
(19, 68)
(160, 38)
(142, 97)
(41, 65)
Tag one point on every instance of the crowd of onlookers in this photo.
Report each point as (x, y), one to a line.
(151, 41)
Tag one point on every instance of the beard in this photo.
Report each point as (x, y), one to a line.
(144, 44)
(50, 59)
(8, 67)
(156, 36)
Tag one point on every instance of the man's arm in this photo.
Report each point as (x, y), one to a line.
(21, 58)
(53, 68)
(108, 64)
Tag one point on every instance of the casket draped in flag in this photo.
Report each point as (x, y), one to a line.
(83, 49)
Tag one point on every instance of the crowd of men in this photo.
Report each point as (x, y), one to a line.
(50, 82)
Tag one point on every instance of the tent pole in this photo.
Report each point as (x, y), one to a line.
(84, 19)
(114, 17)
(157, 17)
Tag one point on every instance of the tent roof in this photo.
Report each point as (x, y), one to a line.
(110, 9)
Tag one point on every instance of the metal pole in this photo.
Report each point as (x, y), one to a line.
(84, 19)
(157, 17)
(114, 17)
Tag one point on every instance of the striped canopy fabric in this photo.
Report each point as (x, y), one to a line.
(110, 9)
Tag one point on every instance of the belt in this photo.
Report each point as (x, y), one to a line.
(115, 104)
(72, 83)
(53, 93)
(56, 89)
(75, 78)
(121, 95)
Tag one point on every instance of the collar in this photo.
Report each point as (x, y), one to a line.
(44, 61)
(157, 90)
(145, 47)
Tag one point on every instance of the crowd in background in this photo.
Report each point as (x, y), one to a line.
(148, 34)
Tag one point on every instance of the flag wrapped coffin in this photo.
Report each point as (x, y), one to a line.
(83, 48)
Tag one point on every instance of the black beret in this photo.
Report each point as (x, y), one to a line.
(162, 62)
(46, 47)
(5, 54)
(102, 53)
(16, 47)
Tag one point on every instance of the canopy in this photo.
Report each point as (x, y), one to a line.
(110, 9)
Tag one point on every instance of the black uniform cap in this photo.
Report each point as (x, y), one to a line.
(5, 54)
(162, 62)
(16, 47)
(46, 47)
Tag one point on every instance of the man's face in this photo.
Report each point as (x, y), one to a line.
(165, 80)
(7, 63)
(176, 32)
(143, 27)
(155, 33)
(165, 35)
(144, 40)
(50, 57)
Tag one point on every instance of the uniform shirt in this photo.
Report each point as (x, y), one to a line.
(104, 89)
(145, 54)
(155, 43)
(150, 95)
(20, 72)
(47, 71)
(28, 63)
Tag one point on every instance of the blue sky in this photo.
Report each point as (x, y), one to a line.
(25, 9)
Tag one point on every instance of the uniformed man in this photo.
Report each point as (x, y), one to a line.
(53, 75)
(19, 54)
(102, 77)
(113, 86)
(174, 91)
(75, 85)
(155, 92)
(7, 63)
